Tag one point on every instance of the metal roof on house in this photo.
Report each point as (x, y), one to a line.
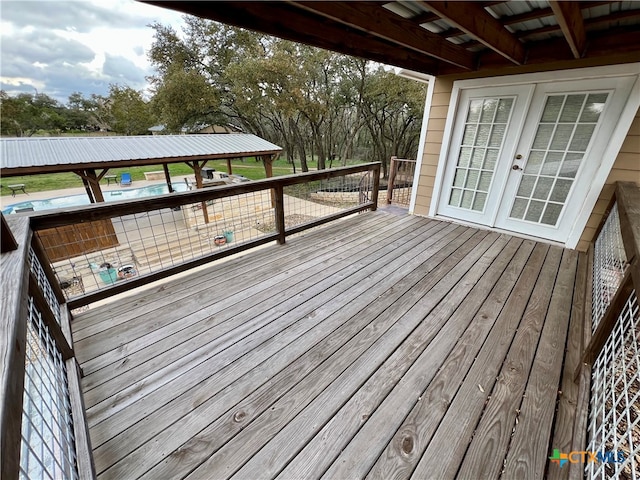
(21, 156)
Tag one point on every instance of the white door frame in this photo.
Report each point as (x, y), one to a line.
(609, 156)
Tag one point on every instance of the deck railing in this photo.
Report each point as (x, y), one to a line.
(43, 434)
(400, 184)
(43, 425)
(104, 249)
(611, 357)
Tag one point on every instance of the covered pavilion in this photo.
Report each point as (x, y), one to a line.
(91, 158)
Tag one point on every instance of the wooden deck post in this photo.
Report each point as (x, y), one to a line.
(376, 187)
(278, 192)
(393, 169)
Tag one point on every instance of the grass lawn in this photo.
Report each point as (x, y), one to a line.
(55, 181)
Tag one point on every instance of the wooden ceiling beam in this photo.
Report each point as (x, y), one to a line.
(473, 19)
(380, 22)
(569, 17)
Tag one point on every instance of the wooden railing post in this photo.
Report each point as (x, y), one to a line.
(393, 169)
(279, 213)
(376, 187)
(13, 329)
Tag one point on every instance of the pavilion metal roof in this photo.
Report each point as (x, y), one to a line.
(23, 156)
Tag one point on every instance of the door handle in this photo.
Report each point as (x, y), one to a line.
(516, 167)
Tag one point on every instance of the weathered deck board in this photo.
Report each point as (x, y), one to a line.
(359, 349)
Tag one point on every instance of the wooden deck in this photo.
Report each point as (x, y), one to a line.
(381, 346)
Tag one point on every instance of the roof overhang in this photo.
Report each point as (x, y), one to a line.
(446, 37)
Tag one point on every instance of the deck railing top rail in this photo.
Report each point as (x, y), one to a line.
(99, 211)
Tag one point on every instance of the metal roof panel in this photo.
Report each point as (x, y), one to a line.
(48, 151)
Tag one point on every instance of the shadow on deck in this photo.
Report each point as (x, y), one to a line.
(382, 345)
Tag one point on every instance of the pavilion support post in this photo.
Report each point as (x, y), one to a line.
(167, 177)
(267, 161)
(197, 170)
(85, 184)
(229, 171)
(94, 183)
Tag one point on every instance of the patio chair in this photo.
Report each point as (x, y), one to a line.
(125, 179)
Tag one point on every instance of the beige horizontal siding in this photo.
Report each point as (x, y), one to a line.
(433, 143)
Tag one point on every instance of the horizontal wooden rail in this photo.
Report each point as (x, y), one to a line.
(100, 211)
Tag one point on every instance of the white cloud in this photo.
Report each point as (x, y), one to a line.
(68, 46)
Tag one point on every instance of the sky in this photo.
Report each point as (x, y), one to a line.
(61, 47)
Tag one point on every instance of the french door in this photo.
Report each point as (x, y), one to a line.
(522, 157)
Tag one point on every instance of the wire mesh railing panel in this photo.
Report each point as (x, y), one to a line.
(614, 420)
(306, 202)
(47, 446)
(609, 264)
(401, 182)
(146, 242)
(43, 283)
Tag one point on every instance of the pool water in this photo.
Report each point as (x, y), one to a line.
(83, 199)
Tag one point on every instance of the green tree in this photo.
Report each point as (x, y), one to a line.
(130, 113)
(26, 114)
(184, 100)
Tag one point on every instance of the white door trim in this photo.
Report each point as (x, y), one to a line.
(423, 139)
(617, 138)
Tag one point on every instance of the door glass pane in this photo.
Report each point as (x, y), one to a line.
(469, 134)
(485, 125)
(582, 137)
(465, 156)
(552, 163)
(534, 211)
(541, 192)
(570, 165)
(543, 135)
(472, 179)
(593, 108)
(496, 135)
(456, 194)
(561, 137)
(483, 135)
(479, 201)
(572, 108)
(552, 109)
(551, 214)
(526, 185)
(518, 209)
(490, 159)
(534, 162)
(485, 181)
(467, 198)
(458, 180)
(475, 107)
(489, 110)
(478, 157)
(504, 110)
(564, 132)
(561, 190)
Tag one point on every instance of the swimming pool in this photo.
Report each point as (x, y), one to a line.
(78, 200)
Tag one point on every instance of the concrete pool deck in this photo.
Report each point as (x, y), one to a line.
(6, 200)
